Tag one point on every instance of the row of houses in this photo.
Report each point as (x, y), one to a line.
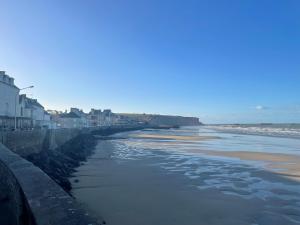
(17, 111)
(76, 118)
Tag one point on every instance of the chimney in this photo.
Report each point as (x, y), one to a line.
(5, 79)
(11, 81)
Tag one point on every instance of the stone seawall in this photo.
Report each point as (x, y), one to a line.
(25, 143)
(59, 137)
(48, 203)
(71, 147)
(26, 189)
(14, 208)
(60, 163)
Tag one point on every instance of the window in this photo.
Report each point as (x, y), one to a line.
(6, 109)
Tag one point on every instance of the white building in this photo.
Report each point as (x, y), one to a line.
(31, 109)
(69, 120)
(54, 118)
(82, 115)
(110, 118)
(97, 118)
(8, 95)
(38, 115)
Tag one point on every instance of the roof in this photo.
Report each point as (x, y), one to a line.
(3, 74)
(13, 86)
(29, 102)
(69, 115)
(33, 102)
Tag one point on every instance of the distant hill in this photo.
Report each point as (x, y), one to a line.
(162, 120)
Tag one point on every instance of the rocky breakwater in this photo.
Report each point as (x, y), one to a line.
(61, 162)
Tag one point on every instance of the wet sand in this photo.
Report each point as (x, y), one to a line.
(174, 137)
(281, 164)
(138, 192)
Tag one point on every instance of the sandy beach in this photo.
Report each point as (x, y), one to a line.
(135, 194)
(139, 179)
(281, 164)
(174, 137)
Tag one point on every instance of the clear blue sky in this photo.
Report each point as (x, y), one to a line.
(223, 61)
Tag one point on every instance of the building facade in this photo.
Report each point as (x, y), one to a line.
(69, 120)
(95, 118)
(98, 118)
(19, 111)
(82, 115)
(30, 109)
(9, 94)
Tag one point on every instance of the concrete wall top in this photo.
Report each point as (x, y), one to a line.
(49, 204)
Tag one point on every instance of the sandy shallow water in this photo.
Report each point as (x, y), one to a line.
(141, 181)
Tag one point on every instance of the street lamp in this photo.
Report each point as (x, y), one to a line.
(16, 103)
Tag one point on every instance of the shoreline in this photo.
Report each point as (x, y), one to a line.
(71, 155)
(113, 185)
(61, 163)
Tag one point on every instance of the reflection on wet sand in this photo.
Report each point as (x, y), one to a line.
(149, 179)
(282, 164)
(174, 137)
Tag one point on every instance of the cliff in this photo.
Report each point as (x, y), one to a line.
(161, 120)
(174, 120)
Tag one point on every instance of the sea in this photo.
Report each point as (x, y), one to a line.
(288, 130)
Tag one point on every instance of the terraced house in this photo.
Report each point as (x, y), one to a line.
(18, 111)
(9, 94)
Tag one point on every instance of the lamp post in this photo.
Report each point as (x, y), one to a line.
(16, 103)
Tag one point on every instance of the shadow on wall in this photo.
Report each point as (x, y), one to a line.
(14, 209)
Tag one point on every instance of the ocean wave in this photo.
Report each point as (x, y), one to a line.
(291, 131)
